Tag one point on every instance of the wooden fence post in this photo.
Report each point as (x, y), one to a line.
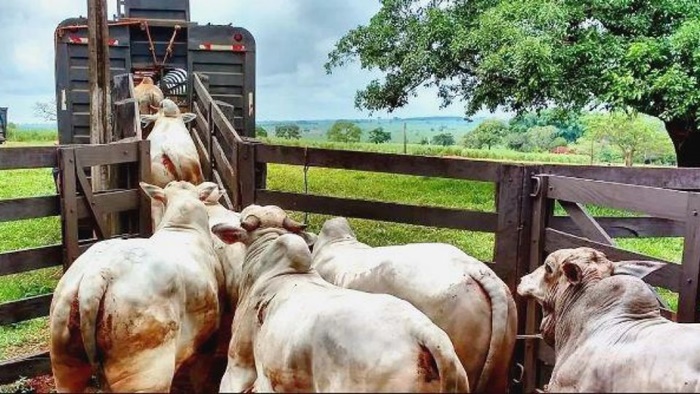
(688, 297)
(542, 210)
(145, 220)
(246, 174)
(126, 122)
(69, 206)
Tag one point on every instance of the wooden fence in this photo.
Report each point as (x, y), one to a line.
(76, 201)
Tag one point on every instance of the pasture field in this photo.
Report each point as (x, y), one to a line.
(28, 337)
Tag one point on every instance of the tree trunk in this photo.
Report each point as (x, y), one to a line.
(628, 159)
(686, 141)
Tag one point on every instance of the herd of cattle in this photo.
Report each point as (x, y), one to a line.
(251, 301)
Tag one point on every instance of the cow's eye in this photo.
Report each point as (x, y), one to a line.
(548, 269)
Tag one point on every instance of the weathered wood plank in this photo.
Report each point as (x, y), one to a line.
(200, 90)
(204, 160)
(245, 174)
(29, 208)
(30, 259)
(668, 277)
(508, 221)
(380, 162)
(690, 283)
(671, 178)
(201, 125)
(590, 228)
(34, 157)
(31, 366)
(223, 166)
(144, 202)
(69, 206)
(108, 154)
(126, 122)
(224, 126)
(391, 212)
(635, 227)
(25, 309)
(642, 199)
(542, 211)
(93, 208)
(228, 202)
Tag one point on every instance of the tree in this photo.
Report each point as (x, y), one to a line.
(46, 110)
(288, 131)
(344, 131)
(424, 141)
(633, 136)
(379, 136)
(444, 139)
(488, 133)
(567, 123)
(260, 132)
(532, 54)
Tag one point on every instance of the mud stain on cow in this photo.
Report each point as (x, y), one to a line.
(169, 165)
(427, 367)
(291, 380)
(75, 345)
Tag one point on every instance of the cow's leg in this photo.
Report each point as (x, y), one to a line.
(148, 371)
(69, 363)
(237, 378)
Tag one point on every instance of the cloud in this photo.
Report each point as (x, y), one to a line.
(293, 39)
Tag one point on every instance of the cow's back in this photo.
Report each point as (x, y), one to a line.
(338, 340)
(439, 280)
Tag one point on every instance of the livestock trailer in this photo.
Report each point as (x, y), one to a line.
(152, 38)
(3, 124)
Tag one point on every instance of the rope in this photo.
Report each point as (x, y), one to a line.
(169, 50)
(306, 180)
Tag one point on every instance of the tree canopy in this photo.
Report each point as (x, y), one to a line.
(344, 131)
(525, 55)
(487, 134)
(379, 136)
(444, 139)
(288, 131)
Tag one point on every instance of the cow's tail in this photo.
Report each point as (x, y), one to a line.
(183, 168)
(436, 346)
(503, 333)
(91, 292)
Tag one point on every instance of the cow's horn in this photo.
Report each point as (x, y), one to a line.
(251, 223)
(292, 225)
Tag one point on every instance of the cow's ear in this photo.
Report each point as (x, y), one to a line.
(573, 272)
(148, 119)
(640, 269)
(154, 192)
(187, 117)
(230, 234)
(209, 192)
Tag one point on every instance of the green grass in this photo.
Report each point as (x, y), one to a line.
(33, 136)
(23, 338)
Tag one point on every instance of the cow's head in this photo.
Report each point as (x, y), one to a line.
(168, 109)
(335, 229)
(183, 201)
(257, 220)
(567, 272)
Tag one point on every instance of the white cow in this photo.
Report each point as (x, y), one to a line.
(460, 294)
(148, 96)
(293, 331)
(136, 311)
(606, 328)
(174, 156)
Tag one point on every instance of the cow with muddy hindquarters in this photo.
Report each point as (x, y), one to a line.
(605, 325)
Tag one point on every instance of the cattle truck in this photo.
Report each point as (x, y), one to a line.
(3, 124)
(152, 38)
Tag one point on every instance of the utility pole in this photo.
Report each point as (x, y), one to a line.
(405, 140)
(100, 95)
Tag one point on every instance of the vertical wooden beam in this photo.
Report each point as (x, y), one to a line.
(542, 210)
(145, 219)
(246, 174)
(688, 301)
(98, 70)
(126, 120)
(69, 206)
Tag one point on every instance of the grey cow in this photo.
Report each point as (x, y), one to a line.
(606, 328)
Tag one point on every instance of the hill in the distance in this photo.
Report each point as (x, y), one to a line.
(416, 128)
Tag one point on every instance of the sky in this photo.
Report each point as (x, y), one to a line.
(293, 40)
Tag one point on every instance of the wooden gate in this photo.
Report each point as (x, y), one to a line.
(667, 213)
(75, 201)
